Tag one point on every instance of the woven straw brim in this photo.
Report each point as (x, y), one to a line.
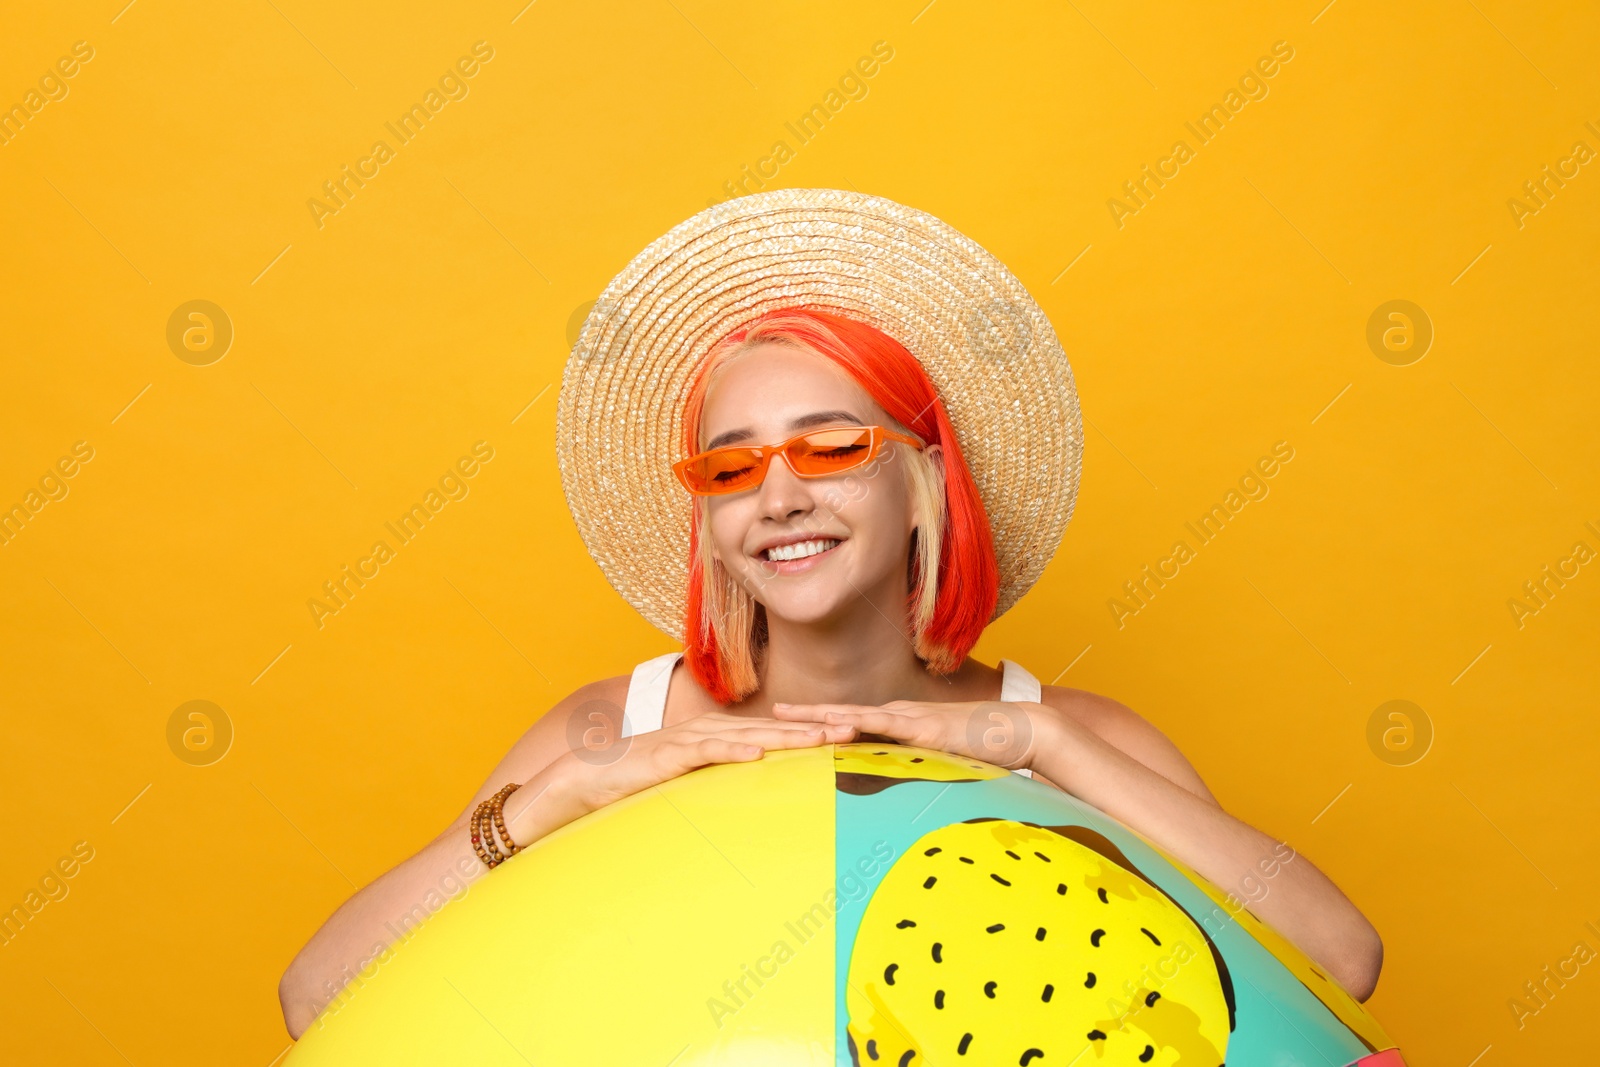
(985, 343)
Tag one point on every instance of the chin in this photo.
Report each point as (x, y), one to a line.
(808, 613)
(811, 607)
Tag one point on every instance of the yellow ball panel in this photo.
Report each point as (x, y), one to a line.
(727, 891)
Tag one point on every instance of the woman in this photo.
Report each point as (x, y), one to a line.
(827, 554)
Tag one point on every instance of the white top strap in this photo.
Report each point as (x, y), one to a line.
(1016, 684)
(647, 694)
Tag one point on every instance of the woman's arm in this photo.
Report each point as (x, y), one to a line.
(364, 927)
(1130, 770)
(569, 763)
(1099, 750)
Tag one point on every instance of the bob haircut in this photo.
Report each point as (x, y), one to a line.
(952, 575)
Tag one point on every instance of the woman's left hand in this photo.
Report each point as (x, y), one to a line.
(1004, 733)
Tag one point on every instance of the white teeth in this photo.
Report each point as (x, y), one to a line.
(799, 550)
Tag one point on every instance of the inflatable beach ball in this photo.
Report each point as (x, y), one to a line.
(857, 904)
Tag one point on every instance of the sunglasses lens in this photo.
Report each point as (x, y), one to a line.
(829, 451)
(724, 471)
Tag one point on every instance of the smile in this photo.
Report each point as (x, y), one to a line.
(799, 550)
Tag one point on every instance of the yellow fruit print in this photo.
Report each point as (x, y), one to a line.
(999, 942)
(865, 768)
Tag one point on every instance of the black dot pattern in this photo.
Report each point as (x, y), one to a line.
(968, 952)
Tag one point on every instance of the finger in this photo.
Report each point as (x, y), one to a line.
(741, 746)
(919, 728)
(814, 734)
(714, 750)
(796, 712)
(818, 712)
(717, 723)
(875, 721)
(679, 753)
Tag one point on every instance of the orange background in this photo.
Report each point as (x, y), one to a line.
(435, 309)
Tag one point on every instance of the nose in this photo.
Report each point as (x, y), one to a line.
(783, 494)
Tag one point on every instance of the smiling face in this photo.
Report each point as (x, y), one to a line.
(807, 549)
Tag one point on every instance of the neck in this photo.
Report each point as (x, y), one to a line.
(863, 657)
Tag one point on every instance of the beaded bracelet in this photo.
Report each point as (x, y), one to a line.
(486, 819)
(496, 809)
(483, 840)
(485, 832)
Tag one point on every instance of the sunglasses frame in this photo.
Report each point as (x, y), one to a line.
(878, 436)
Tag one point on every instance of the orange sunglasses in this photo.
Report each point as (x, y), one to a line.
(815, 454)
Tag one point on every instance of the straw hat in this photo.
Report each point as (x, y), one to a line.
(983, 340)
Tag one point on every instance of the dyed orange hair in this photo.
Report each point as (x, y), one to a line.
(965, 581)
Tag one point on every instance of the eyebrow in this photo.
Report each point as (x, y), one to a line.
(804, 422)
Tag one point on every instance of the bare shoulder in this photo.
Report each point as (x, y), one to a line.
(597, 705)
(1125, 729)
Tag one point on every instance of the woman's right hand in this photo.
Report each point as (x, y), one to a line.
(590, 777)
